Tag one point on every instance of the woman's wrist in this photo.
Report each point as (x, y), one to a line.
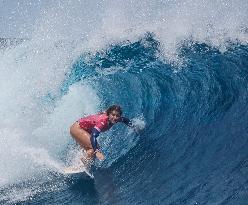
(97, 150)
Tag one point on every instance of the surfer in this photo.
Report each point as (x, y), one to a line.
(86, 130)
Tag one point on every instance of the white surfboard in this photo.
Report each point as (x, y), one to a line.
(76, 170)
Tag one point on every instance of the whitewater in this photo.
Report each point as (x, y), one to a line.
(179, 69)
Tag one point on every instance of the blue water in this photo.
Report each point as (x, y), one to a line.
(193, 149)
(192, 103)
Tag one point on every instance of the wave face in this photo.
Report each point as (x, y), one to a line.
(181, 72)
(192, 150)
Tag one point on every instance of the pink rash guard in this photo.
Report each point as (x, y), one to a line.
(94, 124)
(97, 121)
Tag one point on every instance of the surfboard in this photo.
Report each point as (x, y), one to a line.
(77, 170)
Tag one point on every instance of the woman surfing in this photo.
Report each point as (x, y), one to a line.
(86, 130)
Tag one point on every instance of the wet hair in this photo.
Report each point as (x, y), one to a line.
(114, 108)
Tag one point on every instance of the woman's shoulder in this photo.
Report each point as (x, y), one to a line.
(98, 116)
(103, 116)
(102, 120)
(102, 113)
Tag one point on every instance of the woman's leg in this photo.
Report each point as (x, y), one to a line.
(82, 137)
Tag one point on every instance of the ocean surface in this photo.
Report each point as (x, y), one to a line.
(179, 69)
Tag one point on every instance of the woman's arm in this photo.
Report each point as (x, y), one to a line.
(131, 124)
(94, 134)
(95, 145)
(126, 121)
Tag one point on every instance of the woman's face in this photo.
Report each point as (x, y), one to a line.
(114, 117)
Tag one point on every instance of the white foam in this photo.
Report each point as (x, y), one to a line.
(53, 134)
(101, 23)
(33, 132)
(18, 195)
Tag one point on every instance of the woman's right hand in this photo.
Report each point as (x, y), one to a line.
(99, 155)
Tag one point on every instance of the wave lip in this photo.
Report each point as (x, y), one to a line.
(183, 72)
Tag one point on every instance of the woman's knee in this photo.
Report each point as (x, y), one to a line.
(73, 129)
(90, 151)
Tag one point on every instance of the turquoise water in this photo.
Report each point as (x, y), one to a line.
(185, 88)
